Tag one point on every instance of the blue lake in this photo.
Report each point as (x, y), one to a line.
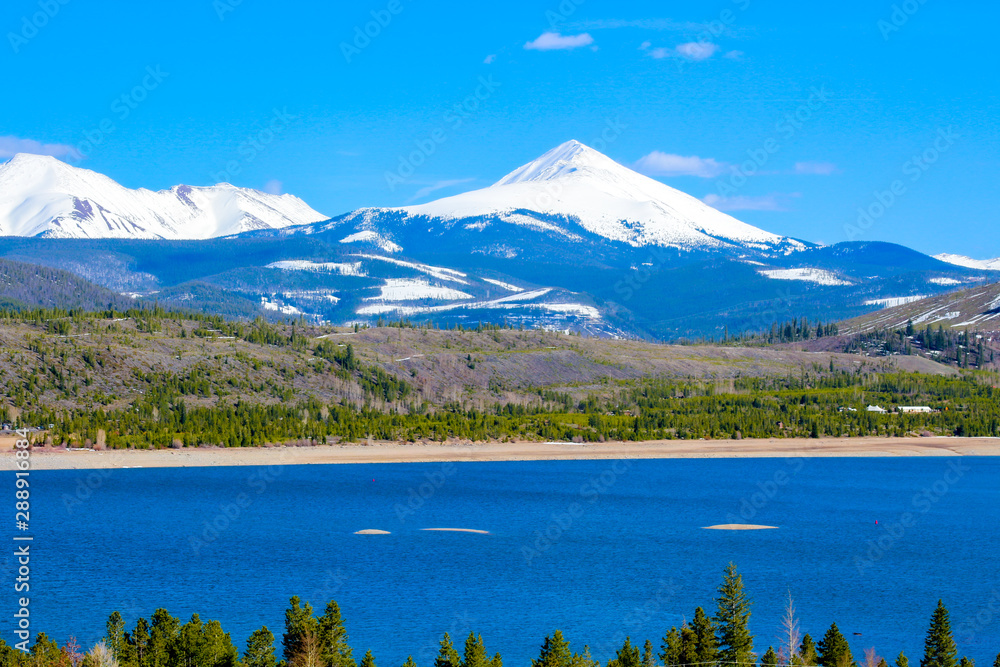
(598, 549)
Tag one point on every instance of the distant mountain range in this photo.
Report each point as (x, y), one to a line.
(572, 240)
(44, 197)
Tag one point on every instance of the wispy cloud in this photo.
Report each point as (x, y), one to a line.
(696, 51)
(772, 202)
(434, 187)
(273, 187)
(734, 55)
(658, 163)
(815, 168)
(11, 146)
(489, 59)
(553, 41)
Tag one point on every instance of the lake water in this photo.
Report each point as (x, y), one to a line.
(598, 549)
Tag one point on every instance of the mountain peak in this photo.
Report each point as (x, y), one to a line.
(564, 159)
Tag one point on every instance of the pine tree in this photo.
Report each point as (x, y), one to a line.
(333, 638)
(671, 648)
(706, 649)
(807, 652)
(902, 660)
(626, 656)
(368, 660)
(834, 651)
(647, 654)
(409, 662)
(447, 655)
(966, 662)
(769, 659)
(260, 649)
(554, 653)
(115, 638)
(996, 663)
(734, 638)
(475, 652)
(939, 645)
(299, 621)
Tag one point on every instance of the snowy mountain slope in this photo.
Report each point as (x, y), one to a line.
(42, 196)
(573, 197)
(976, 309)
(969, 263)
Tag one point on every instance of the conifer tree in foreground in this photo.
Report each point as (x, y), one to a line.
(554, 653)
(769, 659)
(939, 646)
(368, 660)
(409, 662)
(627, 656)
(447, 655)
(332, 638)
(260, 649)
(734, 639)
(902, 660)
(707, 650)
(807, 652)
(834, 651)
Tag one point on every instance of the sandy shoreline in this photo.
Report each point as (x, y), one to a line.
(393, 452)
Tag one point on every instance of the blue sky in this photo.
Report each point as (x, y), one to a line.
(790, 116)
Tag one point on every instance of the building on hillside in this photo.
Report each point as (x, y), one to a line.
(914, 408)
(876, 408)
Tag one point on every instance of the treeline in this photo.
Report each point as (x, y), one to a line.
(963, 349)
(721, 640)
(810, 404)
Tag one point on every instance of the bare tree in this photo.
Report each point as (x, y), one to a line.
(789, 651)
(101, 656)
(308, 654)
(871, 658)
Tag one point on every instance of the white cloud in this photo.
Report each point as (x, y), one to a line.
(489, 59)
(697, 50)
(645, 46)
(734, 55)
(666, 164)
(815, 168)
(772, 202)
(11, 146)
(553, 41)
(273, 187)
(440, 185)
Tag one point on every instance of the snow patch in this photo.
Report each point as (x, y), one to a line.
(405, 289)
(368, 236)
(817, 276)
(506, 286)
(893, 301)
(352, 269)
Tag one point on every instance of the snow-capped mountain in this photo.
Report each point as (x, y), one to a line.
(574, 194)
(42, 196)
(969, 263)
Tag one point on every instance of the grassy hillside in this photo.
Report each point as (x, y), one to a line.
(156, 379)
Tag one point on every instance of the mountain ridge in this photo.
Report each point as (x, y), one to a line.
(43, 196)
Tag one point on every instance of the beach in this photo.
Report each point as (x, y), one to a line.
(394, 452)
